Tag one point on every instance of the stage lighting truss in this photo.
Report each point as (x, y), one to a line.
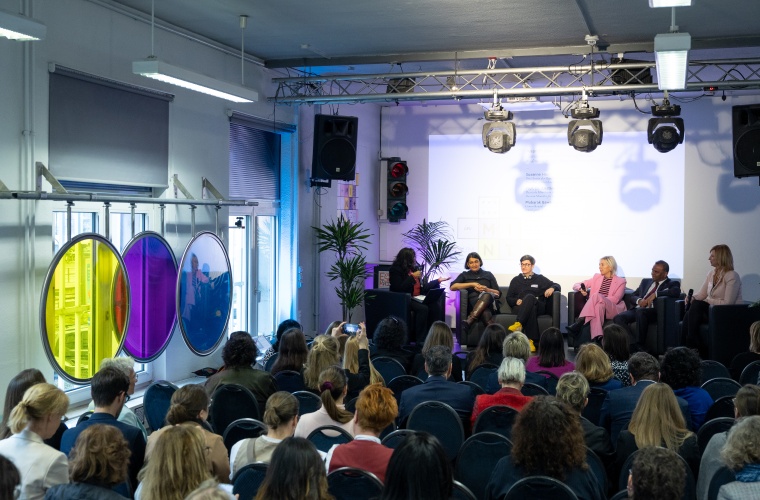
(666, 131)
(584, 133)
(499, 134)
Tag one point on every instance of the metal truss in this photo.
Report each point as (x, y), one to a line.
(596, 79)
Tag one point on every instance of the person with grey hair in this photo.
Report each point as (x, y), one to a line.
(126, 365)
(511, 376)
(573, 389)
(516, 345)
(437, 387)
(742, 454)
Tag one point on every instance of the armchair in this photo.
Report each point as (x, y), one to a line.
(379, 303)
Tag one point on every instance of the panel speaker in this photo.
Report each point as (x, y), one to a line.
(746, 129)
(334, 147)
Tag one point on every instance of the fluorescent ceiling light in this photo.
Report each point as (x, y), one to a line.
(21, 28)
(672, 57)
(153, 68)
(669, 3)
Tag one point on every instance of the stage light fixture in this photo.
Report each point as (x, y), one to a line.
(584, 133)
(499, 134)
(666, 131)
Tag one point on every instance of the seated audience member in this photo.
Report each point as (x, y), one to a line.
(281, 418)
(599, 298)
(335, 329)
(548, 441)
(741, 453)
(594, 364)
(740, 361)
(376, 409)
(551, 354)
(281, 329)
(126, 365)
(488, 350)
(656, 473)
(511, 376)
(437, 387)
(356, 364)
(210, 490)
(657, 421)
(109, 389)
(177, 465)
(573, 389)
(516, 345)
(292, 353)
(189, 406)
(13, 395)
(10, 479)
(681, 370)
(439, 334)
(527, 296)
(33, 419)
(390, 335)
(418, 469)
(333, 387)
(296, 471)
(615, 344)
(98, 462)
(324, 353)
(746, 404)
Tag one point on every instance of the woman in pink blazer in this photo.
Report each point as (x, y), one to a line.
(604, 297)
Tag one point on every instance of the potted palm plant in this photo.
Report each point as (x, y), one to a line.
(432, 241)
(347, 240)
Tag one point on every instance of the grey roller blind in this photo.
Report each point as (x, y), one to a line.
(254, 160)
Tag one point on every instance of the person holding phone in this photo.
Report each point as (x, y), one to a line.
(603, 297)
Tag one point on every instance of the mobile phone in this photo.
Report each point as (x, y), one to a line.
(350, 328)
(583, 287)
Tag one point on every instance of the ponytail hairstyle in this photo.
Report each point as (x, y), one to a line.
(324, 352)
(186, 403)
(39, 401)
(281, 408)
(332, 382)
(351, 362)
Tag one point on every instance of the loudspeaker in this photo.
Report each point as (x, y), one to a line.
(746, 129)
(334, 147)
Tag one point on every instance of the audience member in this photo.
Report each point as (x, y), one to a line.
(601, 297)
(419, 470)
(333, 386)
(126, 365)
(742, 454)
(189, 406)
(740, 361)
(281, 418)
(376, 409)
(573, 389)
(10, 479)
(511, 374)
(516, 345)
(210, 490)
(615, 344)
(548, 441)
(390, 335)
(323, 354)
(35, 418)
(335, 329)
(98, 462)
(439, 334)
(527, 296)
(296, 472)
(656, 473)
(281, 329)
(356, 363)
(551, 354)
(484, 293)
(292, 353)
(488, 350)
(681, 370)
(594, 364)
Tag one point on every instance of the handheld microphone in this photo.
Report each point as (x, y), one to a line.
(583, 287)
(688, 297)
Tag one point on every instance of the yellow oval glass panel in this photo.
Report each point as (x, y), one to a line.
(85, 306)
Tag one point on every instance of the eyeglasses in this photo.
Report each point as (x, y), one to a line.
(525, 264)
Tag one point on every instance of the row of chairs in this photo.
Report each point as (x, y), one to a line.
(715, 369)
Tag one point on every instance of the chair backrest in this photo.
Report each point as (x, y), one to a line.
(721, 407)
(461, 492)
(289, 381)
(689, 491)
(476, 389)
(396, 437)
(380, 303)
(478, 457)
(326, 436)
(242, 428)
(440, 420)
(350, 483)
(350, 405)
(750, 374)
(539, 488)
(402, 383)
(597, 467)
(620, 495)
(389, 368)
(713, 369)
(593, 409)
(156, 402)
(551, 381)
(529, 389)
(308, 402)
(721, 386)
(481, 373)
(498, 419)
(711, 428)
(231, 402)
(84, 417)
(722, 476)
(271, 361)
(248, 479)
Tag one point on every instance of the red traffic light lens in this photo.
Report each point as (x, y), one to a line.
(399, 169)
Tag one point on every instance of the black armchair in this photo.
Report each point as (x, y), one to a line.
(379, 303)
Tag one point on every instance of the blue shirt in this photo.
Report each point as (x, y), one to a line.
(699, 402)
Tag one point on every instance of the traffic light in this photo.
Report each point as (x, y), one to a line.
(396, 208)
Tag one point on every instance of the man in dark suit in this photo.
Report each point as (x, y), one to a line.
(437, 387)
(642, 302)
(619, 404)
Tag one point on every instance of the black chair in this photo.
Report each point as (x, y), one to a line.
(379, 303)
(690, 488)
(750, 374)
(270, 362)
(711, 428)
(401, 383)
(597, 467)
(461, 492)
(156, 402)
(540, 488)
(308, 402)
(551, 381)
(248, 479)
(389, 368)
(350, 405)
(350, 483)
(84, 417)
(481, 373)
(440, 420)
(289, 381)
(713, 369)
(477, 458)
(620, 495)
(721, 386)
(240, 429)
(395, 438)
(462, 355)
(722, 476)
(529, 389)
(231, 402)
(328, 435)
(498, 419)
(472, 385)
(593, 409)
(722, 407)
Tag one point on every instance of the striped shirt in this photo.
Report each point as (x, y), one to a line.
(605, 288)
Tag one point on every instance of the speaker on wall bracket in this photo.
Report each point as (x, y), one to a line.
(746, 140)
(334, 147)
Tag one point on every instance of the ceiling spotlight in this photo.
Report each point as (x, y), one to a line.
(666, 131)
(499, 134)
(585, 132)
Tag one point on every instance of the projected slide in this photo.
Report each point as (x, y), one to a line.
(564, 207)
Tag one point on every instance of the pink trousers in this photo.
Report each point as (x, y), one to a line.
(597, 308)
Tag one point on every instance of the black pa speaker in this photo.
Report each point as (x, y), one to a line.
(334, 147)
(746, 129)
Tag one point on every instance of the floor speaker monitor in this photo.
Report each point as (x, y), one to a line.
(746, 130)
(334, 147)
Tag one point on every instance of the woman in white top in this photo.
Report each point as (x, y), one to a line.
(34, 419)
(333, 386)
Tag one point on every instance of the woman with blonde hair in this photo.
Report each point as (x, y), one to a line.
(657, 421)
(325, 351)
(296, 472)
(594, 364)
(177, 465)
(333, 388)
(599, 297)
(439, 334)
(35, 418)
(358, 367)
(189, 406)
